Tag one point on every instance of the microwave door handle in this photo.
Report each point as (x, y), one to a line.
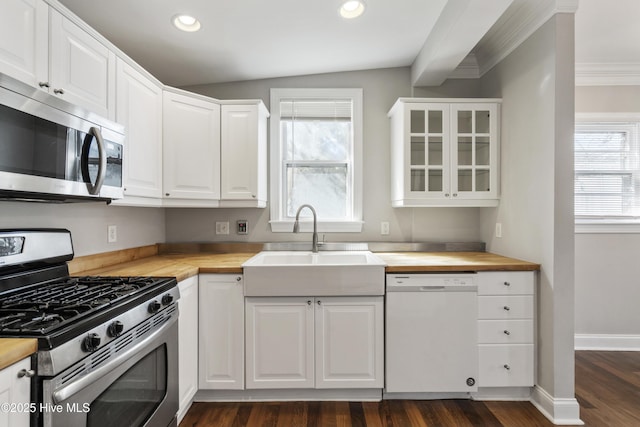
(94, 188)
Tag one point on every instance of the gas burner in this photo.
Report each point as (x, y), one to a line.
(51, 305)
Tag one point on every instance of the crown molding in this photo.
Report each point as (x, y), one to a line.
(468, 68)
(518, 23)
(612, 74)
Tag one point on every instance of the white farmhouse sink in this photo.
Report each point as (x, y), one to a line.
(303, 273)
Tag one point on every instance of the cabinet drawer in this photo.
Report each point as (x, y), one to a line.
(505, 331)
(506, 365)
(505, 307)
(505, 283)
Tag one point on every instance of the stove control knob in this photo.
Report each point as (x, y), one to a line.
(91, 342)
(154, 306)
(115, 329)
(167, 299)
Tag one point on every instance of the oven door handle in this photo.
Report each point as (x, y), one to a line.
(67, 391)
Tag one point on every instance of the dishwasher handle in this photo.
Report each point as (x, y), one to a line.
(431, 288)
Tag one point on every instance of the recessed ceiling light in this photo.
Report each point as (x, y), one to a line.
(186, 23)
(352, 9)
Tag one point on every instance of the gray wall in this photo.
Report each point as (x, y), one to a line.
(381, 89)
(607, 267)
(536, 208)
(88, 223)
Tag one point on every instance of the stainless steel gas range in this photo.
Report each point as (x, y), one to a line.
(107, 346)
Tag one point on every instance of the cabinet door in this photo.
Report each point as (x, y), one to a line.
(221, 332)
(474, 151)
(24, 26)
(279, 342)
(191, 147)
(243, 171)
(426, 151)
(139, 109)
(82, 70)
(187, 343)
(15, 391)
(349, 335)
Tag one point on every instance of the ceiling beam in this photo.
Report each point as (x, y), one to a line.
(460, 26)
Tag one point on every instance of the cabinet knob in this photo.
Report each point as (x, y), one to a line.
(507, 332)
(446, 194)
(167, 194)
(507, 367)
(507, 284)
(308, 302)
(455, 194)
(26, 373)
(253, 195)
(319, 302)
(58, 91)
(506, 308)
(238, 279)
(43, 84)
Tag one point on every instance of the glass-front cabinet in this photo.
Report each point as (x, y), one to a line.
(444, 152)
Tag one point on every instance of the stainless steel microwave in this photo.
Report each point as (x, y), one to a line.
(52, 150)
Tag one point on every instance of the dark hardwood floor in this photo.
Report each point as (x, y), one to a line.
(607, 388)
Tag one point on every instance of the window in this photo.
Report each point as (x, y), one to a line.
(607, 171)
(316, 157)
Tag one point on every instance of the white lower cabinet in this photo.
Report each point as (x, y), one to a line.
(221, 331)
(15, 394)
(322, 342)
(187, 343)
(506, 329)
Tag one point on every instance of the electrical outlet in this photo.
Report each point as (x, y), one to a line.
(384, 228)
(242, 226)
(222, 227)
(112, 234)
(498, 229)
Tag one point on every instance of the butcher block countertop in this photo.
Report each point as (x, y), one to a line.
(417, 262)
(148, 261)
(13, 350)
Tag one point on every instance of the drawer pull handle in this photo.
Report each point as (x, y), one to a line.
(26, 373)
(507, 332)
(507, 308)
(507, 367)
(507, 284)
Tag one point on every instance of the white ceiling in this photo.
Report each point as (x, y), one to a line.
(255, 39)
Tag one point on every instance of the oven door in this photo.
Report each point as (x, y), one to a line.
(139, 387)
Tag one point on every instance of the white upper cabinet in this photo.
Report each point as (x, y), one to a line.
(191, 150)
(24, 35)
(82, 69)
(244, 152)
(139, 109)
(445, 152)
(46, 50)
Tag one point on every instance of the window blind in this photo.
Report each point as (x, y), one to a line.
(606, 171)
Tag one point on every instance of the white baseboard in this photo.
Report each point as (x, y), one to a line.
(558, 411)
(607, 342)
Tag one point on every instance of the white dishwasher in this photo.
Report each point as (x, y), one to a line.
(431, 343)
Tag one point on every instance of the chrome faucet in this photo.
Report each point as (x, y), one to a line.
(296, 226)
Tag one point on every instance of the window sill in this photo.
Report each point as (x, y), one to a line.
(306, 226)
(594, 226)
